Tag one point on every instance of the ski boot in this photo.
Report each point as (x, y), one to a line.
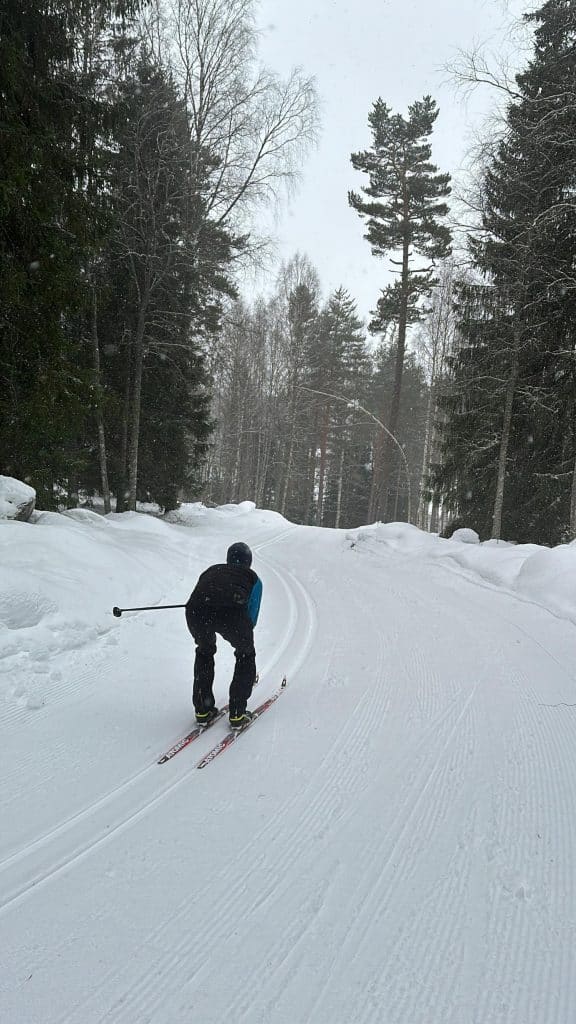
(239, 719)
(204, 718)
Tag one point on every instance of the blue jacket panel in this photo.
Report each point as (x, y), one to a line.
(254, 600)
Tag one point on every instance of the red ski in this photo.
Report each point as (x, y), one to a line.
(234, 734)
(190, 737)
(194, 734)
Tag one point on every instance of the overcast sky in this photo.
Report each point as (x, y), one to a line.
(396, 49)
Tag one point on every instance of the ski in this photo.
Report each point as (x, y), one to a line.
(191, 736)
(194, 734)
(233, 734)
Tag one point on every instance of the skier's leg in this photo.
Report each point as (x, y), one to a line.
(239, 631)
(205, 639)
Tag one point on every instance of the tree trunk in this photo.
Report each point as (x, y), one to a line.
(421, 516)
(122, 487)
(376, 473)
(287, 472)
(235, 494)
(322, 469)
(398, 375)
(99, 412)
(258, 467)
(434, 521)
(443, 517)
(136, 402)
(504, 444)
(340, 485)
(573, 506)
(309, 507)
(288, 467)
(397, 496)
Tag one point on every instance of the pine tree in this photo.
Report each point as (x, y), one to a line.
(404, 213)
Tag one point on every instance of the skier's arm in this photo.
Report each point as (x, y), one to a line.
(254, 602)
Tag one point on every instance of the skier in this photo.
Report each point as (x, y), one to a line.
(225, 600)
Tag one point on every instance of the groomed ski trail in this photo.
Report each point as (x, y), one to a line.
(395, 844)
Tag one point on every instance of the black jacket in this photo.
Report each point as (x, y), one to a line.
(228, 586)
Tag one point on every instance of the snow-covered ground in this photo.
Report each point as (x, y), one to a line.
(392, 843)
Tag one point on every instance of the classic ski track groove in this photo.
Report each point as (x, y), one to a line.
(552, 743)
(508, 936)
(505, 935)
(61, 860)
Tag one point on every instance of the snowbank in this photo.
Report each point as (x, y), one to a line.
(394, 536)
(465, 536)
(546, 576)
(197, 514)
(62, 575)
(17, 500)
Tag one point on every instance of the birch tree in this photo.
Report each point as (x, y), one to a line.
(257, 126)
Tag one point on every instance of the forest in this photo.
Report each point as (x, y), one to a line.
(141, 141)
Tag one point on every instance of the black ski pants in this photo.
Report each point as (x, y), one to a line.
(233, 625)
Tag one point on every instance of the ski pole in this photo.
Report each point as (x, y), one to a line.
(148, 608)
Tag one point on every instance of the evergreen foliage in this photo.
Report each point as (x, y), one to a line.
(125, 172)
(509, 447)
(404, 212)
(42, 236)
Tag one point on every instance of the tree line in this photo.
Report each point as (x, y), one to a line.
(141, 139)
(507, 410)
(300, 391)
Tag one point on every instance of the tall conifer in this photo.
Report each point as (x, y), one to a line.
(404, 211)
(511, 412)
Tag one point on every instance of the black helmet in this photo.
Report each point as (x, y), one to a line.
(239, 554)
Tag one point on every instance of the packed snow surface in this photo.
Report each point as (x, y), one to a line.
(392, 843)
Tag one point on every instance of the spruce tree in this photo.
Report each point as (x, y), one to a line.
(472, 400)
(518, 339)
(53, 115)
(42, 226)
(339, 368)
(404, 210)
